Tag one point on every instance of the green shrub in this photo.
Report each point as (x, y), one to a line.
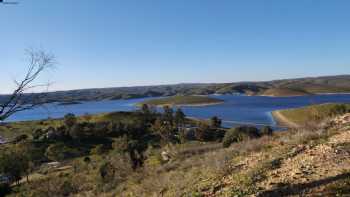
(69, 120)
(87, 160)
(99, 150)
(13, 165)
(179, 117)
(230, 137)
(34, 153)
(239, 134)
(20, 138)
(77, 131)
(59, 152)
(67, 188)
(107, 171)
(38, 133)
(116, 129)
(215, 122)
(189, 134)
(266, 130)
(203, 132)
(101, 129)
(120, 144)
(218, 134)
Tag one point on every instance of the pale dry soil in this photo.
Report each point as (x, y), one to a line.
(310, 170)
(291, 170)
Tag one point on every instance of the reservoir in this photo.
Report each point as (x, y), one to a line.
(236, 110)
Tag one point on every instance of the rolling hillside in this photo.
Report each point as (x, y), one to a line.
(286, 87)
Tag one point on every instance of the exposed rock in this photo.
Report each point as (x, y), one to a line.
(165, 156)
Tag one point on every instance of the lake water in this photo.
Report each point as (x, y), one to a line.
(237, 109)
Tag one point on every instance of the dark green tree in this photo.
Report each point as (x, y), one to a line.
(266, 130)
(180, 117)
(203, 132)
(13, 165)
(70, 120)
(215, 122)
(168, 114)
(145, 109)
(77, 131)
(164, 130)
(107, 171)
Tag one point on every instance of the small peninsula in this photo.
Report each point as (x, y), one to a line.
(183, 101)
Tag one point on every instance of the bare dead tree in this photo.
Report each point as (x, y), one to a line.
(38, 62)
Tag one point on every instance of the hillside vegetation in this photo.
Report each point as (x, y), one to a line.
(183, 100)
(146, 153)
(113, 154)
(117, 159)
(310, 114)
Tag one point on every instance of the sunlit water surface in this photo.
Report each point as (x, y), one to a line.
(237, 109)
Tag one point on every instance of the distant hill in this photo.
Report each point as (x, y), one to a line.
(286, 87)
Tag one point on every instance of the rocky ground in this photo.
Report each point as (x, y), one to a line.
(311, 168)
(320, 168)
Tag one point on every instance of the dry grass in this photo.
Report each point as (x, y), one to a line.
(312, 115)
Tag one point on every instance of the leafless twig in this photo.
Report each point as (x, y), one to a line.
(39, 61)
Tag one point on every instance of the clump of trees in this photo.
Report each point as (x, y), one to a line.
(169, 126)
(13, 165)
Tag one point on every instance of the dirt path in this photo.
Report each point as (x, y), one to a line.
(311, 169)
(37, 176)
(281, 119)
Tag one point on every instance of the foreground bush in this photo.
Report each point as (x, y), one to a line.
(13, 165)
(266, 130)
(59, 152)
(239, 134)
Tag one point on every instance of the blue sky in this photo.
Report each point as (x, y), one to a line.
(113, 43)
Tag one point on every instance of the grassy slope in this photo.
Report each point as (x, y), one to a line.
(303, 116)
(183, 100)
(284, 92)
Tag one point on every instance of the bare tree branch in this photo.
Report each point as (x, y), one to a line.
(39, 61)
